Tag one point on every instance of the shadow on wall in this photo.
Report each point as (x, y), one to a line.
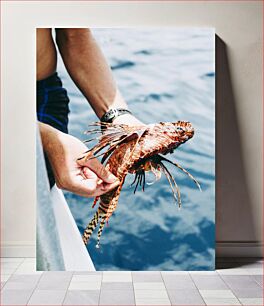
(234, 216)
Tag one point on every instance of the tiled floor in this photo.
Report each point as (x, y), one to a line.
(235, 282)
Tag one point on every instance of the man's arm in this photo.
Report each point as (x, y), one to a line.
(89, 70)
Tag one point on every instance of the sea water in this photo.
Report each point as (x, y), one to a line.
(164, 74)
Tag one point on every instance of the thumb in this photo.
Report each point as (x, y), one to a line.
(94, 165)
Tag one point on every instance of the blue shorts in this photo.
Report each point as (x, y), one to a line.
(52, 109)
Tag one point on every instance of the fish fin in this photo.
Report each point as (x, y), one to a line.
(140, 179)
(184, 170)
(144, 181)
(155, 169)
(171, 180)
(91, 226)
(112, 207)
(114, 135)
(107, 154)
(101, 227)
(95, 201)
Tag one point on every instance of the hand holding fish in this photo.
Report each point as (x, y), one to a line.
(86, 179)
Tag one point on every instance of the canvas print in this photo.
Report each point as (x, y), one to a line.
(126, 149)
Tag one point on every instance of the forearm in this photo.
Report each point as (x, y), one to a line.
(49, 135)
(88, 69)
(51, 143)
(45, 132)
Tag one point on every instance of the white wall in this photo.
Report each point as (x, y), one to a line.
(239, 107)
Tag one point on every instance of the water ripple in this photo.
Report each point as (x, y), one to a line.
(122, 64)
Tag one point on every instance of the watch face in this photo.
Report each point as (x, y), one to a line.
(114, 114)
(109, 116)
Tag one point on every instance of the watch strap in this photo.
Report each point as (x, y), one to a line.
(113, 113)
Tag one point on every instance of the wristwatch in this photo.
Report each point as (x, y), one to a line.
(113, 113)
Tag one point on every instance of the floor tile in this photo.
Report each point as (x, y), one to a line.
(116, 272)
(24, 278)
(151, 294)
(117, 286)
(232, 271)
(27, 267)
(148, 286)
(117, 297)
(47, 297)
(85, 286)
(258, 279)
(161, 302)
(82, 297)
(116, 277)
(209, 282)
(221, 301)
(244, 278)
(5, 277)
(174, 273)
(217, 294)
(185, 297)
(254, 271)
(251, 301)
(146, 277)
(240, 282)
(20, 285)
(86, 278)
(248, 293)
(87, 273)
(207, 273)
(178, 282)
(54, 281)
(15, 297)
(28, 272)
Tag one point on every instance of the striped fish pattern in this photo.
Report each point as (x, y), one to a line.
(135, 150)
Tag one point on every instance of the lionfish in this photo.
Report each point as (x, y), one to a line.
(135, 150)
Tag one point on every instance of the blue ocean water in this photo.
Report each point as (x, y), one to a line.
(165, 74)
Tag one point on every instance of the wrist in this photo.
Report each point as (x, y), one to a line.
(114, 113)
(127, 119)
(107, 103)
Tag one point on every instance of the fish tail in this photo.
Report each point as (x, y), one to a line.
(92, 225)
(95, 201)
(102, 224)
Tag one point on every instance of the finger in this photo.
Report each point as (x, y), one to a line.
(90, 194)
(83, 187)
(88, 174)
(100, 185)
(95, 165)
(108, 187)
(89, 187)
